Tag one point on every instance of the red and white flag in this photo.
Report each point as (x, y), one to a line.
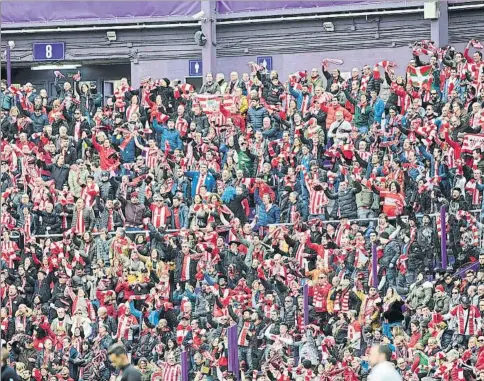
(421, 75)
(212, 103)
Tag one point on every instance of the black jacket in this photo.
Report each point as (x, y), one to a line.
(236, 207)
(43, 289)
(46, 220)
(394, 313)
(201, 122)
(347, 200)
(58, 174)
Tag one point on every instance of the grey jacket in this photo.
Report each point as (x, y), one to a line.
(391, 252)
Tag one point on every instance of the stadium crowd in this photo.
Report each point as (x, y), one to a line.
(162, 216)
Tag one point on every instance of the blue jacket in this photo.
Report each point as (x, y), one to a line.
(378, 109)
(183, 186)
(266, 217)
(38, 122)
(128, 154)
(153, 318)
(460, 90)
(6, 101)
(299, 98)
(210, 182)
(182, 216)
(167, 135)
(255, 116)
(442, 170)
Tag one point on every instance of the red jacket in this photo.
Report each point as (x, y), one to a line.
(107, 163)
(331, 114)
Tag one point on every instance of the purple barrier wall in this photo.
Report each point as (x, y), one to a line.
(15, 12)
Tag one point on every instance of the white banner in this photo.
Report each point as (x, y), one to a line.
(473, 141)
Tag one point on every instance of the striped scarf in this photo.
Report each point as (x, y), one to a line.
(476, 195)
(243, 336)
(439, 227)
(341, 304)
(463, 320)
(364, 83)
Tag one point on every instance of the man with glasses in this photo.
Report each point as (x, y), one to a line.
(160, 212)
(77, 125)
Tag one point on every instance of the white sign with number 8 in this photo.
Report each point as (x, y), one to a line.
(48, 51)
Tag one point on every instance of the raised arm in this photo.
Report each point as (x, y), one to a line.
(96, 145)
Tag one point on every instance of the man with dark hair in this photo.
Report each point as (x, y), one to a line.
(382, 368)
(119, 358)
(8, 373)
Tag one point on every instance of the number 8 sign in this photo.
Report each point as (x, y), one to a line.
(48, 51)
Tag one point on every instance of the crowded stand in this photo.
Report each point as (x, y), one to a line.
(321, 215)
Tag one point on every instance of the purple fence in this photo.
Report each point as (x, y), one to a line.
(233, 351)
(184, 366)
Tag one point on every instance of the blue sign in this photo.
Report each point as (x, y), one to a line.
(195, 68)
(48, 51)
(265, 61)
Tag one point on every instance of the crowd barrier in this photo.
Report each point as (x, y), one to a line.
(476, 213)
(438, 218)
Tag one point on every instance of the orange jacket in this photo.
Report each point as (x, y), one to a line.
(331, 113)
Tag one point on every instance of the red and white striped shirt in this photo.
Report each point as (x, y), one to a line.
(151, 156)
(466, 318)
(27, 227)
(89, 193)
(170, 372)
(181, 125)
(475, 193)
(317, 198)
(8, 250)
(185, 273)
(160, 215)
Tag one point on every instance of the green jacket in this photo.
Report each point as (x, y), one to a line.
(363, 115)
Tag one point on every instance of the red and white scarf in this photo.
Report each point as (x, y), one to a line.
(80, 226)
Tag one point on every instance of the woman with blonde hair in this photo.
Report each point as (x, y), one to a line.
(392, 311)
